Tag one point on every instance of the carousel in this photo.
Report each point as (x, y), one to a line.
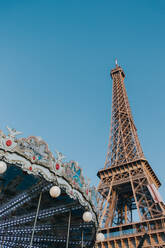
(45, 201)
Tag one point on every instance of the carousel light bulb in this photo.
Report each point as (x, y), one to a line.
(100, 237)
(87, 216)
(55, 191)
(3, 167)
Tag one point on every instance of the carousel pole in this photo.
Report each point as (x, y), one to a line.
(67, 241)
(82, 239)
(35, 221)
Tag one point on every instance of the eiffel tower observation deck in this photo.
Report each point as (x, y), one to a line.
(132, 212)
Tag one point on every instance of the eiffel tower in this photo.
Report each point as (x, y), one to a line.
(132, 212)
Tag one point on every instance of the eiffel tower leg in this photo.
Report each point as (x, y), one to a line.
(134, 194)
(109, 220)
(161, 204)
(147, 206)
(107, 202)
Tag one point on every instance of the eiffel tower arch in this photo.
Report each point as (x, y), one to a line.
(128, 185)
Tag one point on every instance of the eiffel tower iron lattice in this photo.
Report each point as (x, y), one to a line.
(128, 186)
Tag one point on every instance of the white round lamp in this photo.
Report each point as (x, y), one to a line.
(87, 216)
(55, 191)
(3, 167)
(100, 237)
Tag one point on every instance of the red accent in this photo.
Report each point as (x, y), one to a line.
(30, 168)
(87, 191)
(34, 157)
(57, 166)
(8, 142)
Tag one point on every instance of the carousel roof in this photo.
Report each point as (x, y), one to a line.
(30, 177)
(33, 156)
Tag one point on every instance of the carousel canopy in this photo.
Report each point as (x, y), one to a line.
(45, 200)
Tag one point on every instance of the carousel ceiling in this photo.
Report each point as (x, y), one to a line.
(45, 202)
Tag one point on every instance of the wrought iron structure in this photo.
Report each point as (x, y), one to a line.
(128, 186)
(30, 217)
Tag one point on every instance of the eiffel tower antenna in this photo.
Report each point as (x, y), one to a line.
(128, 186)
(116, 62)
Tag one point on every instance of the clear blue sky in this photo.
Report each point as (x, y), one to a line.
(55, 58)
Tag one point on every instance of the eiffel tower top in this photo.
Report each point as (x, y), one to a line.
(117, 69)
(124, 146)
